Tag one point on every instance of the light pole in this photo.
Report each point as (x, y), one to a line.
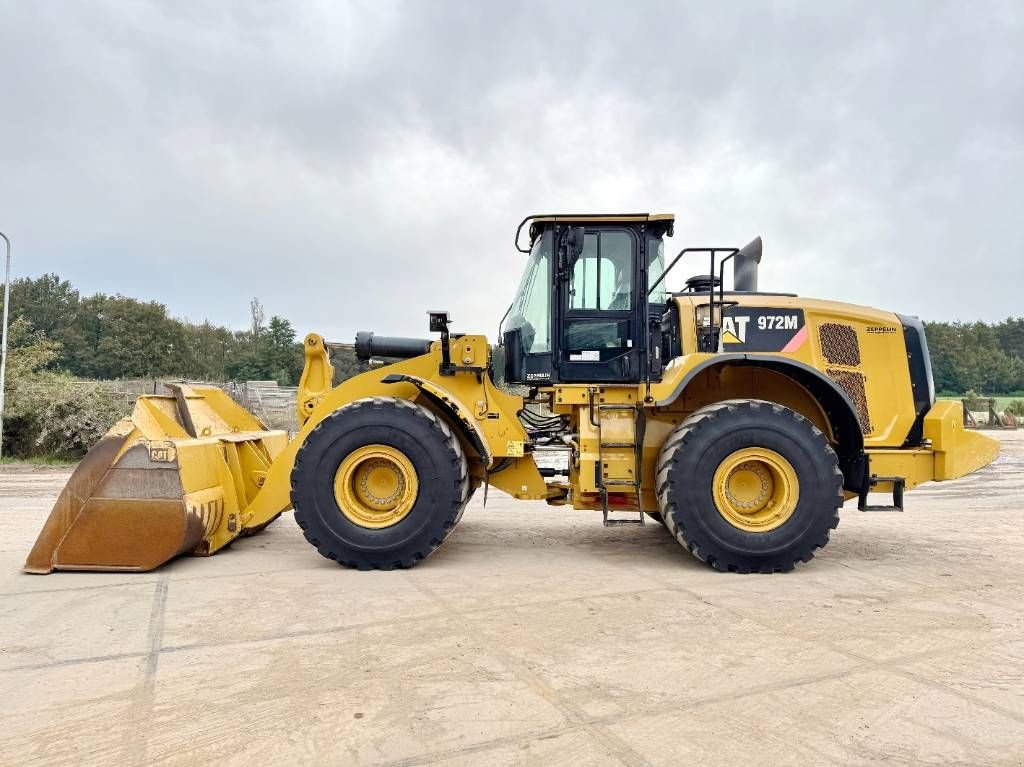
(3, 343)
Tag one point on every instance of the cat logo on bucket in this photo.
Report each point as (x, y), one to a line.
(162, 451)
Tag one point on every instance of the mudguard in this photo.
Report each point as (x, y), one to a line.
(442, 399)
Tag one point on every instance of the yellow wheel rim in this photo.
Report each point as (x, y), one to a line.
(756, 489)
(376, 486)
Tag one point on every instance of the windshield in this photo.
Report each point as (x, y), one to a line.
(531, 307)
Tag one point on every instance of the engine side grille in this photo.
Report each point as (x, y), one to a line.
(839, 344)
(852, 383)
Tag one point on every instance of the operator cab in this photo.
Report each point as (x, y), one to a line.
(582, 312)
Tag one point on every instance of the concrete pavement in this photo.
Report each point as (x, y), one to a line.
(534, 636)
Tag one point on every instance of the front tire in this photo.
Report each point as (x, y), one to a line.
(749, 486)
(379, 484)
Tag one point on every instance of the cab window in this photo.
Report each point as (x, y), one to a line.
(602, 278)
(531, 311)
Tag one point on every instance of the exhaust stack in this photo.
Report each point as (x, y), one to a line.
(744, 270)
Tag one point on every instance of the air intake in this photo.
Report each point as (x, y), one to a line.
(853, 384)
(839, 344)
(841, 349)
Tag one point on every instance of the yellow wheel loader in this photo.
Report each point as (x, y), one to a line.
(740, 419)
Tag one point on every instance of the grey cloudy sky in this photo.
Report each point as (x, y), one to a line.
(355, 164)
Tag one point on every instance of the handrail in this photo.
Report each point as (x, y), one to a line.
(711, 286)
(684, 251)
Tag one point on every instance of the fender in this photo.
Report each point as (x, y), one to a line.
(406, 379)
(446, 402)
(836, 403)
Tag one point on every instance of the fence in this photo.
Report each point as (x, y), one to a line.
(272, 404)
(981, 413)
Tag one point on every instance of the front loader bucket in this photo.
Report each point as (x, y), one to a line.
(171, 479)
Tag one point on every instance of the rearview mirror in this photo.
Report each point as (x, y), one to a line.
(513, 342)
(574, 237)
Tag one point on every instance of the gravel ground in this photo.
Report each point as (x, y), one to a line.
(535, 636)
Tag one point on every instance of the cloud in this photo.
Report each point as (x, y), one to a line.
(354, 165)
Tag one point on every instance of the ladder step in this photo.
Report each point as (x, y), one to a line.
(608, 522)
(604, 483)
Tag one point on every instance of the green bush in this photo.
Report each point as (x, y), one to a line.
(50, 413)
(1015, 408)
(56, 415)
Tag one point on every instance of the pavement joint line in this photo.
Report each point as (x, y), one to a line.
(738, 588)
(144, 696)
(880, 663)
(148, 582)
(476, 748)
(615, 746)
(676, 704)
(894, 665)
(732, 697)
(130, 580)
(295, 634)
(962, 694)
(888, 600)
(391, 621)
(473, 612)
(987, 600)
(73, 662)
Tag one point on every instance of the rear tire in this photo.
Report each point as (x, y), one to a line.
(426, 448)
(783, 510)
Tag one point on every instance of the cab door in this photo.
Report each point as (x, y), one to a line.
(599, 315)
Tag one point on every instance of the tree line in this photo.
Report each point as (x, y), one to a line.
(977, 356)
(107, 337)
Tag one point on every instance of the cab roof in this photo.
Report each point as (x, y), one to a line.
(603, 217)
(666, 219)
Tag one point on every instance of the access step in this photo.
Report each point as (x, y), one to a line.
(898, 486)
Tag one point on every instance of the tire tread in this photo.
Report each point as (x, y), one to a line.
(677, 442)
(448, 441)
